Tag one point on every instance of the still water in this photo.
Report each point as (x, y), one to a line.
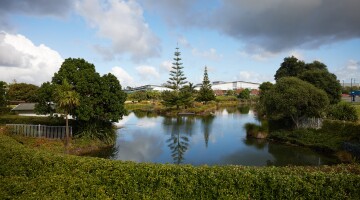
(212, 140)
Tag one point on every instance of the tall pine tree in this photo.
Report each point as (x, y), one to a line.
(206, 93)
(177, 77)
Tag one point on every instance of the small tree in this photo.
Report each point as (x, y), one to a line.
(67, 99)
(206, 93)
(293, 98)
(176, 82)
(177, 77)
(22, 92)
(244, 94)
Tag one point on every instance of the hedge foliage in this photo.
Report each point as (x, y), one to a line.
(16, 119)
(33, 174)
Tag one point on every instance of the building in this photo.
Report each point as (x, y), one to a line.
(148, 88)
(234, 85)
(24, 109)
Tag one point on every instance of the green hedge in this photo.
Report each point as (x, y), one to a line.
(32, 174)
(16, 119)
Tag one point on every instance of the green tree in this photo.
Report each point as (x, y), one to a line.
(179, 96)
(324, 80)
(244, 94)
(3, 101)
(296, 99)
(206, 93)
(290, 67)
(177, 77)
(66, 100)
(22, 92)
(315, 73)
(45, 104)
(99, 96)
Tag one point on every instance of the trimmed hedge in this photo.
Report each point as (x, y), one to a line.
(16, 119)
(30, 174)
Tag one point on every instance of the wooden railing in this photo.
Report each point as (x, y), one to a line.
(54, 132)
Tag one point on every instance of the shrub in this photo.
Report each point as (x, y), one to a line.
(16, 119)
(5, 110)
(256, 131)
(343, 111)
(30, 174)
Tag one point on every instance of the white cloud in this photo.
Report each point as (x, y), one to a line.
(124, 78)
(184, 42)
(121, 22)
(166, 66)
(147, 72)
(254, 77)
(23, 61)
(210, 54)
(350, 70)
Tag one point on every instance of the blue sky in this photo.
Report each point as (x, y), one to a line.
(135, 40)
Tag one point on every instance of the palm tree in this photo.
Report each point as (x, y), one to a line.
(67, 99)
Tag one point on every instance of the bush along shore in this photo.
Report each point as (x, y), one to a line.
(335, 137)
(36, 174)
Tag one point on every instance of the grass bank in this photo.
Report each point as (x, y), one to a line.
(196, 108)
(36, 174)
(333, 138)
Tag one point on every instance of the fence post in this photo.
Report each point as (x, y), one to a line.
(39, 131)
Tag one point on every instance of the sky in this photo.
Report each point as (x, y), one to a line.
(238, 40)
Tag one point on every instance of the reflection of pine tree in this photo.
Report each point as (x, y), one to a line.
(179, 128)
(206, 125)
(178, 146)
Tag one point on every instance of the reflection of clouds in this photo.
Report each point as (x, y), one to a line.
(224, 112)
(147, 123)
(212, 139)
(124, 120)
(139, 147)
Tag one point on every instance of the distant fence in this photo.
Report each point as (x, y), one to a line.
(311, 123)
(53, 132)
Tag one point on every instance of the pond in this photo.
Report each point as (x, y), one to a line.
(198, 140)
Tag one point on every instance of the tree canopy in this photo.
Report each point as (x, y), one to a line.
(315, 73)
(206, 93)
(244, 94)
(22, 92)
(101, 97)
(296, 99)
(290, 67)
(324, 80)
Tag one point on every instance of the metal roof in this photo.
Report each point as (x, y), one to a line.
(24, 106)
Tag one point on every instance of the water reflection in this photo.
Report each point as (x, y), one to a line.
(212, 140)
(180, 128)
(206, 123)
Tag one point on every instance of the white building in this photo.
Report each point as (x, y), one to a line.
(150, 88)
(235, 85)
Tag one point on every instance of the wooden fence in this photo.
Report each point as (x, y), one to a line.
(311, 123)
(53, 132)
